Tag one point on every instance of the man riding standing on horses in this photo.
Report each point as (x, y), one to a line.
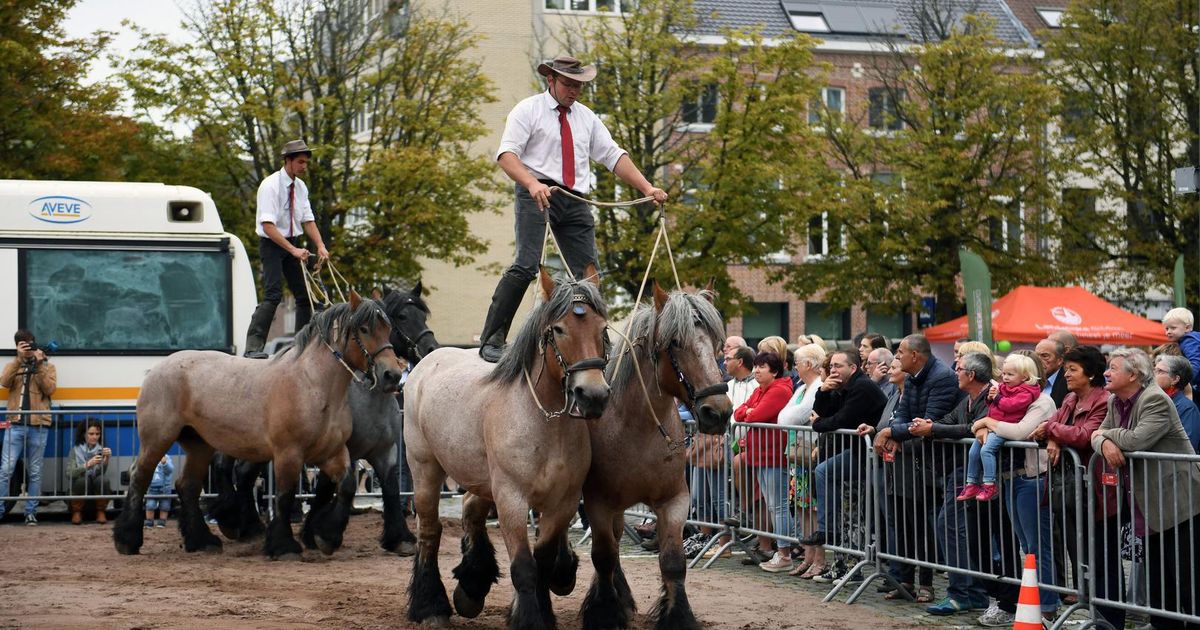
(550, 140)
(283, 213)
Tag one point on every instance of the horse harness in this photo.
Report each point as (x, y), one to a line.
(370, 369)
(411, 342)
(591, 363)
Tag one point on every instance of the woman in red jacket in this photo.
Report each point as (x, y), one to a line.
(766, 452)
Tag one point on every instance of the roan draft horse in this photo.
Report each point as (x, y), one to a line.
(289, 411)
(377, 426)
(515, 437)
(639, 454)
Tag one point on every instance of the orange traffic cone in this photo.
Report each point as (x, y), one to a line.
(1029, 605)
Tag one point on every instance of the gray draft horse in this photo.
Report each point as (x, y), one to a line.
(375, 437)
(675, 345)
(516, 438)
(289, 411)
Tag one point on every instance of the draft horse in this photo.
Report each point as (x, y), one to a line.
(639, 455)
(515, 437)
(289, 411)
(377, 427)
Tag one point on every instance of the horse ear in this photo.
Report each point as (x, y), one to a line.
(710, 290)
(355, 300)
(591, 274)
(376, 294)
(548, 284)
(660, 297)
(416, 292)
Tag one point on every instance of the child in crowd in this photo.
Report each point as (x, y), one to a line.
(160, 484)
(1178, 324)
(1009, 403)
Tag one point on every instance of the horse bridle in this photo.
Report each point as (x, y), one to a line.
(591, 363)
(370, 369)
(694, 397)
(411, 342)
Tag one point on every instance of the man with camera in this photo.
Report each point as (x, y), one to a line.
(30, 380)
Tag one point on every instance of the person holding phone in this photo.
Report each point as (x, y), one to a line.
(88, 469)
(31, 380)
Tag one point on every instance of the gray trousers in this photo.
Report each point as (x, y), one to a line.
(572, 224)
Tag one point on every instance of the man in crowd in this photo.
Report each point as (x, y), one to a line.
(877, 367)
(1163, 496)
(960, 530)
(1050, 353)
(31, 380)
(732, 343)
(1066, 338)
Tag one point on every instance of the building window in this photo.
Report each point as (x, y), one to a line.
(1052, 17)
(765, 319)
(808, 22)
(832, 99)
(592, 6)
(888, 322)
(1006, 233)
(701, 109)
(824, 236)
(821, 319)
(884, 112)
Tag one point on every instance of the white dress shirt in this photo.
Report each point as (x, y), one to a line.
(273, 205)
(532, 133)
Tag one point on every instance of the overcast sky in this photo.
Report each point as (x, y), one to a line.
(88, 16)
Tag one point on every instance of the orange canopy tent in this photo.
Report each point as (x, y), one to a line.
(1028, 314)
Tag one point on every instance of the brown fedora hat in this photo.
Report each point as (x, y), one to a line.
(295, 147)
(569, 67)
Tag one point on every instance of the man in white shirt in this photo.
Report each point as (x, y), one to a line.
(550, 140)
(283, 213)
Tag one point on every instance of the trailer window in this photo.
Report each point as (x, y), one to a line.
(127, 300)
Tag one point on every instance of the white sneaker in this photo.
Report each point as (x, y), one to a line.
(777, 564)
(994, 617)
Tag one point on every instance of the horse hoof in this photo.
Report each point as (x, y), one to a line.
(464, 605)
(327, 547)
(562, 590)
(437, 622)
(127, 550)
(406, 549)
(230, 532)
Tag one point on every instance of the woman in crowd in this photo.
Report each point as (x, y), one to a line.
(765, 451)
(798, 412)
(1172, 374)
(870, 341)
(89, 463)
(1081, 413)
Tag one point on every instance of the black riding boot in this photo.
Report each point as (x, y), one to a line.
(256, 337)
(505, 301)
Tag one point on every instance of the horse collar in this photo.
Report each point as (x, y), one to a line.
(694, 397)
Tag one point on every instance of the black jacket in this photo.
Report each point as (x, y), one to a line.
(1059, 391)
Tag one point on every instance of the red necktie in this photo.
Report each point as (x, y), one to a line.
(568, 148)
(291, 208)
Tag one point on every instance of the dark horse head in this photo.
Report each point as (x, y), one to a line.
(359, 334)
(567, 331)
(410, 334)
(682, 335)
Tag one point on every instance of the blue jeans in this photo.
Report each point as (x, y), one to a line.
(708, 495)
(987, 455)
(29, 443)
(773, 482)
(828, 478)
(954, 541)
(1031, 522)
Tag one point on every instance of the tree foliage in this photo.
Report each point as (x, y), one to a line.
(740, 185)
(957, 161)
(1131, 115)
(388, 102)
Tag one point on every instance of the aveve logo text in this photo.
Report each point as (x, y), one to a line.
(60, 209)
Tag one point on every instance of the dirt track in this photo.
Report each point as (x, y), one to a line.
(63, 576)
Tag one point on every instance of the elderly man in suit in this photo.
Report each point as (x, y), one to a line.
(1161, 497)
(1050, 352)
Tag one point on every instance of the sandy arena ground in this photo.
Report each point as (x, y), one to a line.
(61, 576)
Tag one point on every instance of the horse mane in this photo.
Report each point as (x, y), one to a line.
(339, 316)
(681, 316)
(524, 347)
(396, 299)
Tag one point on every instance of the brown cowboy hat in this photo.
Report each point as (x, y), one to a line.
(569, 67)
(295, 147)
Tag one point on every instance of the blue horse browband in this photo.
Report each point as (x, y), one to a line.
(579, 299)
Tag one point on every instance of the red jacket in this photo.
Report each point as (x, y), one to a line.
(1073, 426)
(1013, 401)
(767, 447)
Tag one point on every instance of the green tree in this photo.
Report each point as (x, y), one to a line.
(948, 154)
(387, 101)
(740, 179)
(1128, 74)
